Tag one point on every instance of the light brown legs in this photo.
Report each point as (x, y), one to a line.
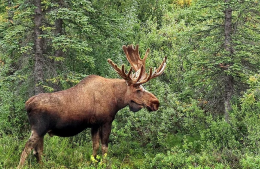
(32, 143)
(95, 140)
(38, 150)
(105, 132)
(102, 134)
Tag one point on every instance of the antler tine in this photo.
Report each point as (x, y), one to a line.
(133, 57)
(121, 71)
(160, 70)
(130, 71)
(147, 78)
(140, 74)
(138, 64)
(155, 73)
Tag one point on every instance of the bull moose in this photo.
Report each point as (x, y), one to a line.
(92, 103)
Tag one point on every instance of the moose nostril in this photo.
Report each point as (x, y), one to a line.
(155, 105)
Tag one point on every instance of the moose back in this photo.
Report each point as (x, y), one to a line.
(92, 103)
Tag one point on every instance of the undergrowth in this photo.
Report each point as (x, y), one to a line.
(178, 136)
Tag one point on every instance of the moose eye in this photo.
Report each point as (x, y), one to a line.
(138, 90)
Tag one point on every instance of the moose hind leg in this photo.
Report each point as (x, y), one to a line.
(30, 144)
(38, 150)
(95, 140)
(105, 132)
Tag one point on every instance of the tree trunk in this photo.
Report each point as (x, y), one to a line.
(228, 79)
(58, 31)
(58, 53)
(38, 42)
(10, 12)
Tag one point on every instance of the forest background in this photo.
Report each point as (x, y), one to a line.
(210, 111)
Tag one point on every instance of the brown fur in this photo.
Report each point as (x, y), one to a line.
(93, 103)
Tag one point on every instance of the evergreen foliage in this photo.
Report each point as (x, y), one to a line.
(189, 130)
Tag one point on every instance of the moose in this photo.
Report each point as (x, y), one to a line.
(92, 103)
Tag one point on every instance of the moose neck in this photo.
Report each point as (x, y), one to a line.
(121, 93)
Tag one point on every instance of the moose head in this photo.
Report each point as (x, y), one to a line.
(92, 103)
(138, 96)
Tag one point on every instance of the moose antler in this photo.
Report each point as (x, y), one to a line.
(133, 57)
(129, 78)
(138, 64)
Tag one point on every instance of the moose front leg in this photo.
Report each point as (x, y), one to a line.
(105, 132)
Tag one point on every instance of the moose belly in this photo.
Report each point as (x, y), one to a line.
(67, 129)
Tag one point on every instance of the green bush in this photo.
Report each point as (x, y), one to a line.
(250, 161)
